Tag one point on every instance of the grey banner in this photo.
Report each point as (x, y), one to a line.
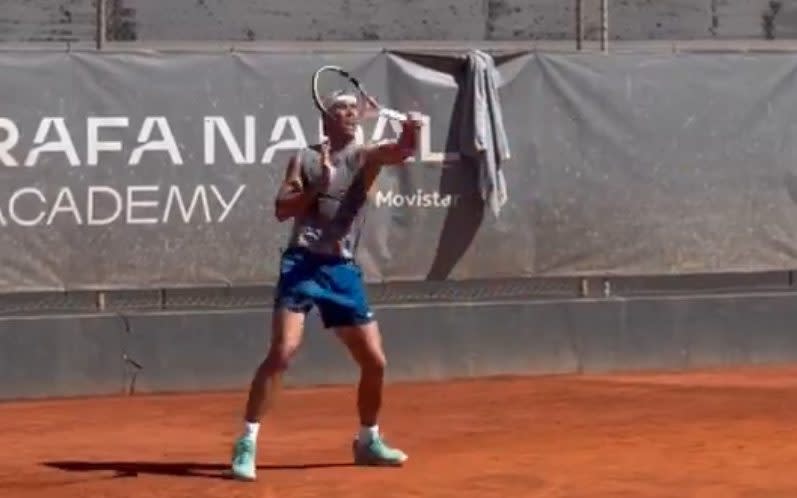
(137, 170)
(622, 165)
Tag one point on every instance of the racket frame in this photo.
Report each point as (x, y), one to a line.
(381, 110)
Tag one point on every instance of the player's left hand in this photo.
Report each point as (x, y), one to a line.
(408, 141)
(414, 121)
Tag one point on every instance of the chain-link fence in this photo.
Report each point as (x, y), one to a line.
(402, 294)
(593, 21)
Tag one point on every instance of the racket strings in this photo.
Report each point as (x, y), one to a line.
(331, 86)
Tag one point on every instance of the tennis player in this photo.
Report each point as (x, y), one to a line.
(324, 190)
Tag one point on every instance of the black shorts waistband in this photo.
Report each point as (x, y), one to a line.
(315, 256)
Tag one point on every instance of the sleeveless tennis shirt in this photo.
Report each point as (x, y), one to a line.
(333, 222)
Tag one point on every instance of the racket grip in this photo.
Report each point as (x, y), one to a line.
(392, 114)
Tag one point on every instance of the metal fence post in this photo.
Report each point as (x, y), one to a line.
(579, 23)
(102, 23)
(605, 25)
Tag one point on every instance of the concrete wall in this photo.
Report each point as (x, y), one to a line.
(148, 20)
(199, 350)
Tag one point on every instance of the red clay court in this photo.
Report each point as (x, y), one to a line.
(710, 434)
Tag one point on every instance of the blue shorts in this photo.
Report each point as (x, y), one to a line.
(334, 285)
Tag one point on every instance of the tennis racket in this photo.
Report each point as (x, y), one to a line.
(328, 79)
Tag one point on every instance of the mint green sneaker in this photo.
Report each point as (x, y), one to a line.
(243, 459)
(377, 452)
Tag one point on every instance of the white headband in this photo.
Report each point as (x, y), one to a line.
(340, 98)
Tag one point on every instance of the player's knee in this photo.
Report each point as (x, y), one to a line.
(278, 363)
(374, 364)
(280, 358)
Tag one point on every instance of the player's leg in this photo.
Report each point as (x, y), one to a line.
(365, 346)
(286, 336)
(287, 327)
(346, 310)
(364, 342)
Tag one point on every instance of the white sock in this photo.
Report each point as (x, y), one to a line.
(367, 434)
(251, 429)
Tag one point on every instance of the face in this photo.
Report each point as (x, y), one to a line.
(345, 117)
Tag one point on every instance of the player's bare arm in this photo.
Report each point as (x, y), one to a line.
(394, 152)
(294, 197)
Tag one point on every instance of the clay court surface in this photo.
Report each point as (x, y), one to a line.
(711, 434)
